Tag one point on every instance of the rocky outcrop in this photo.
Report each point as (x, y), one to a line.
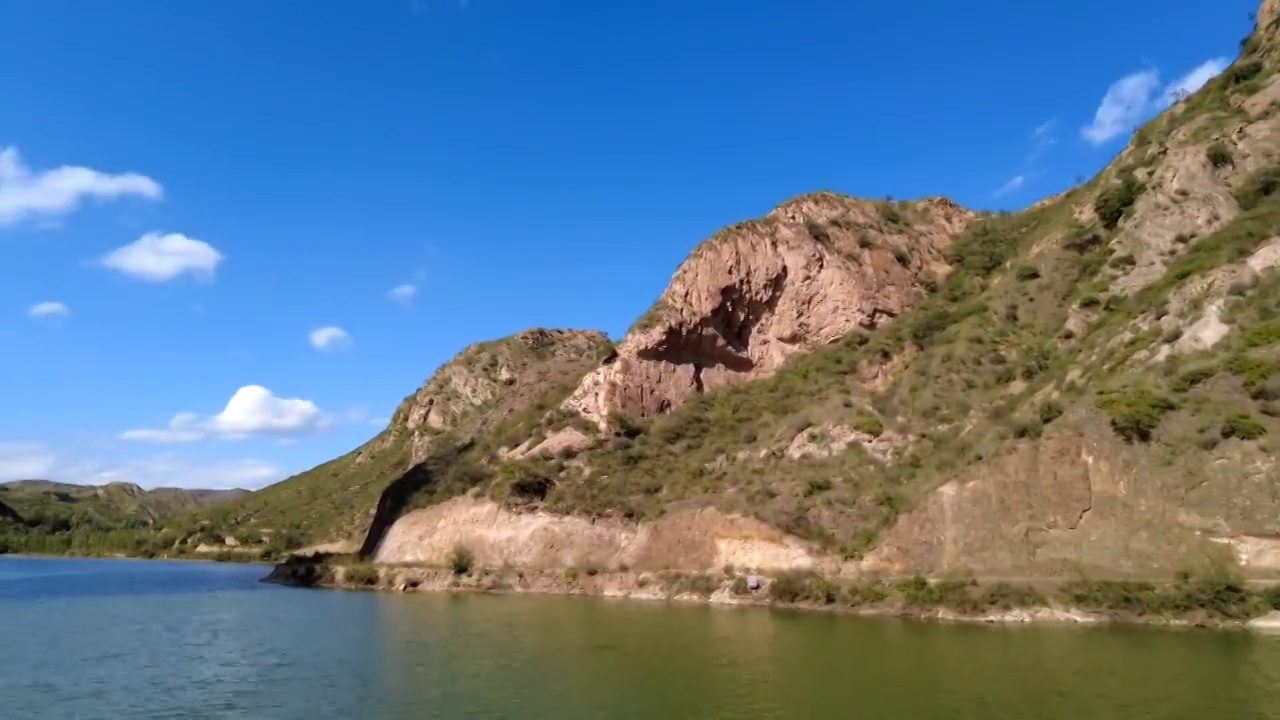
(487, 381)
(757, 293)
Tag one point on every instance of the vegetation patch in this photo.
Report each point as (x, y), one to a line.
(1135, 412)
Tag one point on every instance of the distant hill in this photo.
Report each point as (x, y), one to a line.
(47, 516)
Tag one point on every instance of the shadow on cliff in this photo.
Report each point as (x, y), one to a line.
(399, 495)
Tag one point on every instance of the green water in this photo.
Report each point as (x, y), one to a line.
(104, 639)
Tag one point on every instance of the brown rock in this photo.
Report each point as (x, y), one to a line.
(757, 293)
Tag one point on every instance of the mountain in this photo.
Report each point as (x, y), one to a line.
(1085, 388)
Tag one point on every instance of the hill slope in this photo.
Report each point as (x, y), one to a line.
(44, 516)
(475, 392)
(1088, 386)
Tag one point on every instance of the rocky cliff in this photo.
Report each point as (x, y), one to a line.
(761, 291)
(1088, 387)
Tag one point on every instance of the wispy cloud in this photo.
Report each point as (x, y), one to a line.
(1043, 136)
(330, 337)
(1015, 183)
(25, 193)
(49, 309)
(403, 294)
(1138, 96)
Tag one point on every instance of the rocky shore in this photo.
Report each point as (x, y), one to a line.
(948, 601)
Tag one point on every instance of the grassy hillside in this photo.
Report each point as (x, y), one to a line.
(48, 517)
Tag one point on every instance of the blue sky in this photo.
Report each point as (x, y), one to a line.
(189, 191)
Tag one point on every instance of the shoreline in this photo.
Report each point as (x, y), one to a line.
(135, 558)
(726, 591)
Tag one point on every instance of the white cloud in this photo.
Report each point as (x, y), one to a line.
(157, 257)
(331, 337)
(253, 410)
(25, 461)
(403, 294)
(1195, 79)
(1126, 103)
(49, 309)
(59, 191)
(1138, 96)
(1014, 183)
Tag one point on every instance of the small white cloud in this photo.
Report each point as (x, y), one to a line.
(25, 461)
(157, 257)
(330, 338)
(379, 422)
(1014, 183)
(1042, 138)
(1127, 102)
(1136, 97)
(1195, 79)
(60, 191)
(49, 309)
(403, 294)
(252, 411)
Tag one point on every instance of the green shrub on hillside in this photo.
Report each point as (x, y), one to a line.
(1025, 273)
(1262, 334)
(1253, 371)
(1192, 377)
(817, 231)
(1049, 411)
(1135, 412)
(1243, 426)
(1245, 72)
(868, 423)
(1115, 200)
(1260, 185)
(1219, 155)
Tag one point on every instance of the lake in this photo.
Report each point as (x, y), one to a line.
(135, 639)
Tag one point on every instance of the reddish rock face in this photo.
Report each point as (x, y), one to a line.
(759, 292)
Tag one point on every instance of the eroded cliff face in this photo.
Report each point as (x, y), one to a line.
(704, 540)
(760, 292)
(1084, 502)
